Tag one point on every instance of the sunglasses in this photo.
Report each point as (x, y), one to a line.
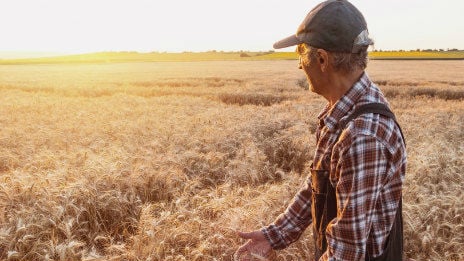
(301, 49)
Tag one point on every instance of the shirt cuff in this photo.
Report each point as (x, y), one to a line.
(273, 234)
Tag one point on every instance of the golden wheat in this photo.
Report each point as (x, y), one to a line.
(164, 161)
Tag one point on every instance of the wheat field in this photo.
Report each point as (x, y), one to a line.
(164, 161)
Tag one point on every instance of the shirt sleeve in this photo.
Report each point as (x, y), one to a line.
(361, 169)
(289, 226)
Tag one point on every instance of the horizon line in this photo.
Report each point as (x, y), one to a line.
(45, 54)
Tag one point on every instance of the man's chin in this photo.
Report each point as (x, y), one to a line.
(313, 90)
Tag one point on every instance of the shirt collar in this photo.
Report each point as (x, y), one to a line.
(330, 116)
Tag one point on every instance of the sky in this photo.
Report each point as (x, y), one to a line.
(82, 26)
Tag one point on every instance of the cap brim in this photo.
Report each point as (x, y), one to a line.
(287, 42)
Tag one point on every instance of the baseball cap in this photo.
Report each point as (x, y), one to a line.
(333, 25)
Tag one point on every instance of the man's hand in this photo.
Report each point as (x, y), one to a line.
(256, 248)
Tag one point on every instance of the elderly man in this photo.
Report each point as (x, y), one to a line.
(353, 195)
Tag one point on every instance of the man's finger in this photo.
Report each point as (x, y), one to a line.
(257, 235)
(242, 249)
(238, 255)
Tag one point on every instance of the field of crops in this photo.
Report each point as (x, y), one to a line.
(163, 161)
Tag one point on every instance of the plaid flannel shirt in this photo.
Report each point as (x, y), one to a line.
(367, 165)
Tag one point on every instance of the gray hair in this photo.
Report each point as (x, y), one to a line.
(346, 62)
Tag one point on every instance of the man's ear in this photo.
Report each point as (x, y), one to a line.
(323, 59)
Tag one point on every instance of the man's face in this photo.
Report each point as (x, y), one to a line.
(309, 65)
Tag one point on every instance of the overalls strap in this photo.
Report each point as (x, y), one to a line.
(376, 108)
